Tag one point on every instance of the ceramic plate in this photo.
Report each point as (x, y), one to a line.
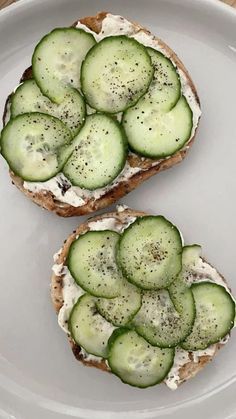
(39, 377)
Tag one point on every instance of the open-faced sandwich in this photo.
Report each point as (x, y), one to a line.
(137, 302)
(105, 105)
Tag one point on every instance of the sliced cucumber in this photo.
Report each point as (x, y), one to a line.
(149, 252)
(35, 145)
(215, 313)
(191, 255)
(154, 133)
(91, 261)
(180, 292)
(99, 155)
(57, 59)
(116, 73)
(182, 297)
(135, 361)
(120, 310)
(28, 98)
(160, 323)
(165, 88)
(88, 328)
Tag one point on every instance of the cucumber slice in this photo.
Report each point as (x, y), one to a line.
(191, 255)
(91, 261)
(160, 323)
(28, 98)
(165, 88)
(135, 361)
(154, 133)
(182, 297)
(57, 59)
(88, 328)
(149, 252)
(120, 310)
(180, 292)
(35, 145)
(99, 155)
(215, 313)
(116, 73)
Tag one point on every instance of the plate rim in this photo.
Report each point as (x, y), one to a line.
(62, 408)
(224, 7)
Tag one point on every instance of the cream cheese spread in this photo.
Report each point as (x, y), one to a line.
(90, 357)
(7, 112)
(71, 293)
(205, 272)
(65, 192)
(59, 185)
(182, 357)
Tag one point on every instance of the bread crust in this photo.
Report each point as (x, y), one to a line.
(48, 201)
(187, 371)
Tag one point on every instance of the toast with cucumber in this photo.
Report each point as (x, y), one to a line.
(137, 302)
(105, 106)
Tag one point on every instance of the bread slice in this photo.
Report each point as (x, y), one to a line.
(148, 167)
(186, 371)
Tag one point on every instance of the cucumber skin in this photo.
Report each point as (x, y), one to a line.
(138, 219)
(1, 150)
(111, 341)
(227, 332)
(82, 75)
(33, 61)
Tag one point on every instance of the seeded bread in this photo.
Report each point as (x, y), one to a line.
(188, 370)
(47, 200)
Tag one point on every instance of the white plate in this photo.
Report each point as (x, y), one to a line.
(39, 377)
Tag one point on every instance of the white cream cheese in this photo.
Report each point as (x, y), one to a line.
(90, 357)
(112, 25)
(111, 224)
(75, 196)
(203, 271)
(181, 358)
(104, 224)
(55, 186)
(121, 207)
(71, 292)
(204, 352)
(58, 269)
(7, 112)
(57, 254)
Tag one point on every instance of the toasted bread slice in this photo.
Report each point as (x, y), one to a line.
(190, 368)
(148, 167)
